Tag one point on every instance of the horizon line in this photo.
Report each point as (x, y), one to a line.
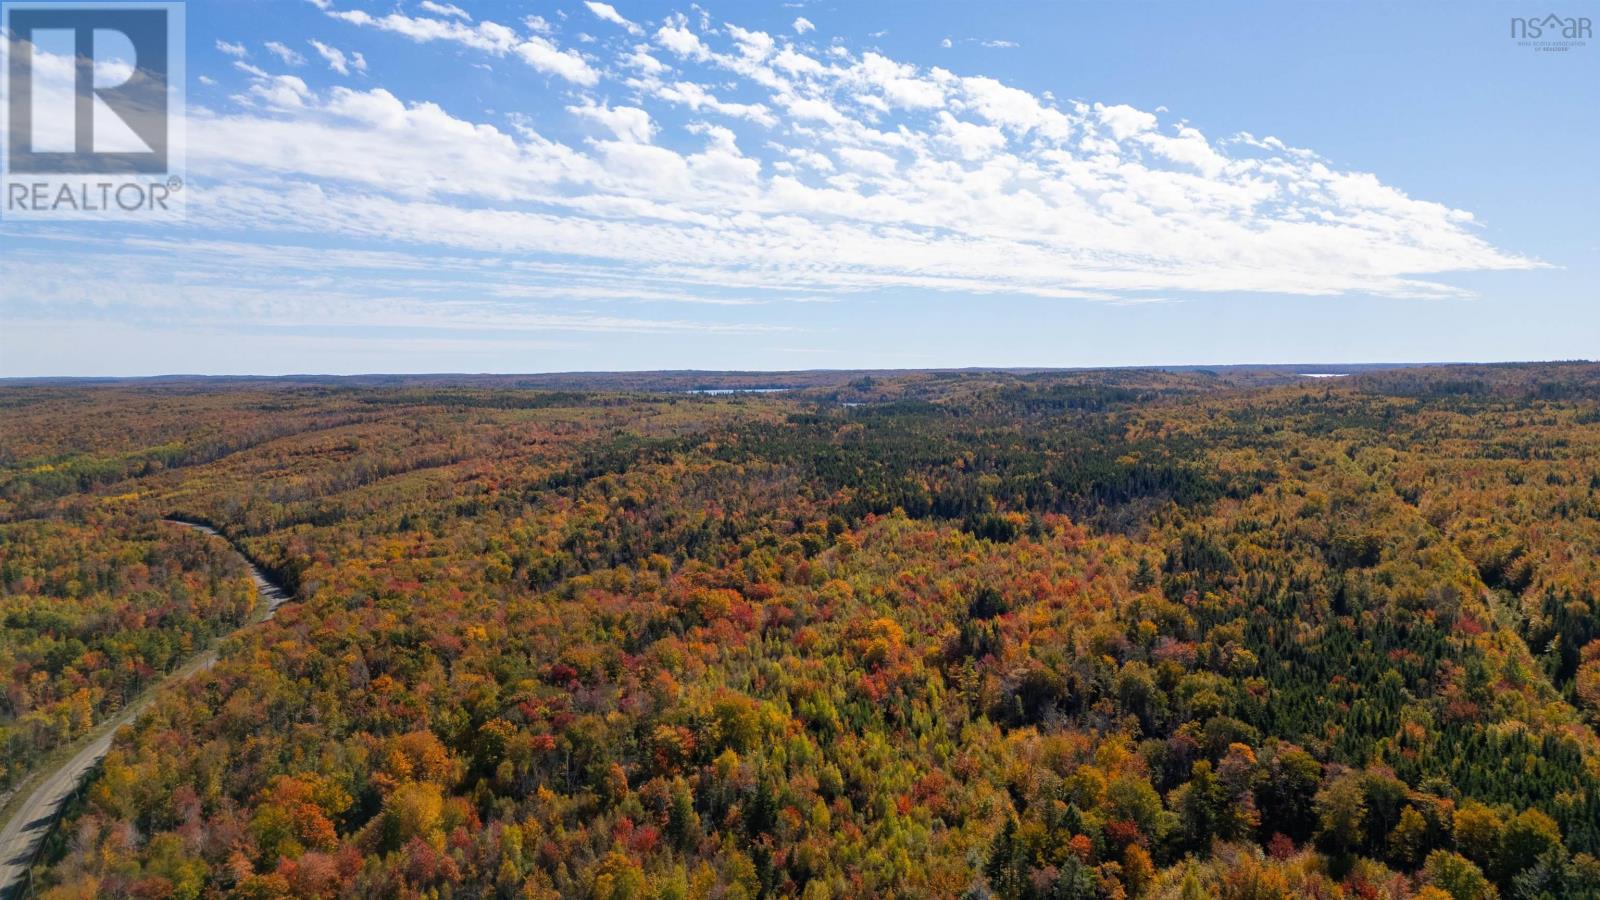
(200, 376)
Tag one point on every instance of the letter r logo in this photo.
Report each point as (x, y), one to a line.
(88, 89)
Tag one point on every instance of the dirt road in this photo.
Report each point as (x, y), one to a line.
(26, 829)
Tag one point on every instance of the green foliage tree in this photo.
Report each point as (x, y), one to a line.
(1457, 876)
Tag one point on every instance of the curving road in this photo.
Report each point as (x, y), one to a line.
(25, 831)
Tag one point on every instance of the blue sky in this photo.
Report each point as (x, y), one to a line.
(533, 186)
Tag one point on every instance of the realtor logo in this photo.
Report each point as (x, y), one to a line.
(94, 109)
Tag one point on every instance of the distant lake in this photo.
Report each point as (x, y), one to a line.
(736, 390)
(1322, 374)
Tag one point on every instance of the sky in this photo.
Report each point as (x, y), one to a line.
(578, 186)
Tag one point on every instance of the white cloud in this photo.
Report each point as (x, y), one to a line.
(899, 82)
(1191, 148)
(445, 9)
(609, 13)
(1124, 121)
(754, 45)
(627, 123)
(810, 108)
(537, 50)
(236, 50)
(641, 60)
(794, 62)
(491, 37)
(338, 60)
(545, 56)
(277, 92)
(680, 40)
(697, 97)
(970, 140)
(872, 162)
(827, 170)
(290, 56)
(1015, 109)
(803, 25)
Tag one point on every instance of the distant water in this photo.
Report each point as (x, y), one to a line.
(736, 390)
(1322, 374)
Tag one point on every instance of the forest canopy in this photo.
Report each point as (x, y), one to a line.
(987, 634)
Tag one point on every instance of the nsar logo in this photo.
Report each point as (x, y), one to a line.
(1552, 33)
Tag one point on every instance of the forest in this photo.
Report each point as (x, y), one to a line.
(980, 634)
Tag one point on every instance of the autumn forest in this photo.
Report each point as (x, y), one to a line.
(1099, 634)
